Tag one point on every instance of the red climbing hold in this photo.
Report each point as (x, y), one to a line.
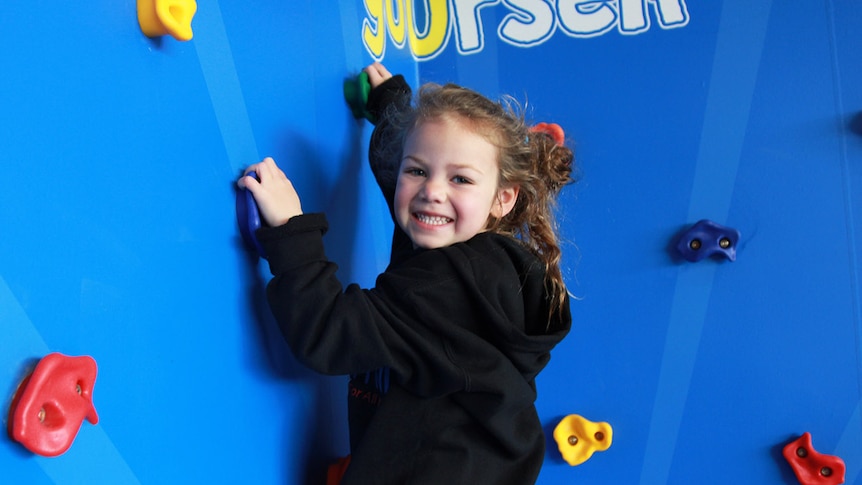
(811, 467)
(52, 402)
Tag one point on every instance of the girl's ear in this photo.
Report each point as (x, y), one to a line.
(506, 199)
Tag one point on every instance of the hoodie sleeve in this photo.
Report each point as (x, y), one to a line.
(346, 330)
(394, 93)
(384, 102)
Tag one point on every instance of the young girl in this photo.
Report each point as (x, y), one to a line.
(467, 312)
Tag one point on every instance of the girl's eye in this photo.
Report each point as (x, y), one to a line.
(458, 179)
(415, 171)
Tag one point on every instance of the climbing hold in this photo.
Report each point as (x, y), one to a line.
(356, 92)
(705, 239)
(167, 17)
(553, 130)
(811, 467)
(52, 402)
(248, 218)
(578, 438)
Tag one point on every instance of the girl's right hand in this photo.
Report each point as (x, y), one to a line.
(276, 198)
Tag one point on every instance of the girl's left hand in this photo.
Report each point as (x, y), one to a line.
(377, 74)
(276, 198)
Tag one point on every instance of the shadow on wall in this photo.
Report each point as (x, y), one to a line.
(855, 123)
(326, 437)
(344, 206)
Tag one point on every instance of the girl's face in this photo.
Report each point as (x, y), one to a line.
(447, 184)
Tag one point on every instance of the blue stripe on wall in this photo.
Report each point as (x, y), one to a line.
(734, 74)
(351, 31)
(216, 59)
(849, 445)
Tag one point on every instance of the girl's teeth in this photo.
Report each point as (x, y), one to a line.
(432, 220)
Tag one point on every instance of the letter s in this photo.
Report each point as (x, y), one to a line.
(531, 23)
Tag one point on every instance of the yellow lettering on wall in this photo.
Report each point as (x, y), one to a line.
(373, 29)
(432, 39)
(531, 23)
(395, 20)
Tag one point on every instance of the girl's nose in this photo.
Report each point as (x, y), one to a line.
(433, 190)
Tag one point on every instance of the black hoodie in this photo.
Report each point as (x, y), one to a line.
(463, 331)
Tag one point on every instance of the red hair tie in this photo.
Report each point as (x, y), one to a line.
(551, 129)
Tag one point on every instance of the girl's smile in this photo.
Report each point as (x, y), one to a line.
(431, 220)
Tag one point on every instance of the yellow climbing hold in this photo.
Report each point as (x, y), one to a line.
(578, 438)
(167, 17)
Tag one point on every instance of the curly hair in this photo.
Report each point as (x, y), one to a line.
(533, 161)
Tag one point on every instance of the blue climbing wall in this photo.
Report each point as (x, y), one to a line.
(119, 237)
